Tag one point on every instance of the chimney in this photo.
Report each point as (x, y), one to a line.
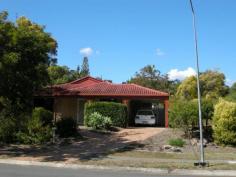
(110, 81)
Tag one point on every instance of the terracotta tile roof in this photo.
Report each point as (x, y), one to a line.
(109, 89)
(90, 86)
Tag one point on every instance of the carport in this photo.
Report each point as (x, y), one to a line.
(146, 104)
(158, 105)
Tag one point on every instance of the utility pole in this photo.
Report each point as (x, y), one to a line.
(202, 160)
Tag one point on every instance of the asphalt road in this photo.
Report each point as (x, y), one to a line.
(37, 171)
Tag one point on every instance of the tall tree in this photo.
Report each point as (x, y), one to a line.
(58, 74)
(149, 76)
(232, 93)
(188, 88)
(85, 67)
(26, 51)
(62, 74)
(212, 86)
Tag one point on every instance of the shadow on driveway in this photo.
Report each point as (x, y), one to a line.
(92, 146)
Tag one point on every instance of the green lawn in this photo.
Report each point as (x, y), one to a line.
(168, 165)
(187, 156)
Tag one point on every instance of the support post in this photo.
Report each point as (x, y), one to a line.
(54, 111)
(54, 122)
(127, 102)
(166, 107)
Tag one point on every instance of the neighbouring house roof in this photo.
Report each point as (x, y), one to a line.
(92, 87)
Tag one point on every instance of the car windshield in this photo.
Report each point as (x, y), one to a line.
(146, 113)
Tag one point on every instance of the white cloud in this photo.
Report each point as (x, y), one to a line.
(87, 51)
(181, 75)
(229, 82)
(159, 52)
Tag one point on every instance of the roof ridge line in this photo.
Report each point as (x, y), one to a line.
(149, 88)
(85, 78)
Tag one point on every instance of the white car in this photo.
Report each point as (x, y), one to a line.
(145, 117)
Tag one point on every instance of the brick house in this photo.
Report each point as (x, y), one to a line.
(68, 100)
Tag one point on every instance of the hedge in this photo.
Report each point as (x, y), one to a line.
(116, 111)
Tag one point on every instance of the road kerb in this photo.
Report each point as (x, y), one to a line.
(115, 168)
(204, 172)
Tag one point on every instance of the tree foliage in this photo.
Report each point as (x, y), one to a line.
(85, 68)
(26, 51)
(188, 88)
(62, 74)
(233, 88)
(207, 106)
(224, 122)
(8, 125)
(212, 85)
(232, 93)
(183, 114)
(150, 77)
(38, 128)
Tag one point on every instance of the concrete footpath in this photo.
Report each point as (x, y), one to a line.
(158, 160)
(200, 172)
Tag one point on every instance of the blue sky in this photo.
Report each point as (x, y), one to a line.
(122, 36)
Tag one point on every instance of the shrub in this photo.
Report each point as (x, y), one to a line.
(38, 128)
(8, 123)
(66, 127)
(44, 115)
(116, 111)
(178, 142)
(183, 114)
(224, 123)
(25, 128)
(97, 121)
(207, 109)
(35, 134)
(8, 129)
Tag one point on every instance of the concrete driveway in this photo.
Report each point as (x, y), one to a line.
(138, 134)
